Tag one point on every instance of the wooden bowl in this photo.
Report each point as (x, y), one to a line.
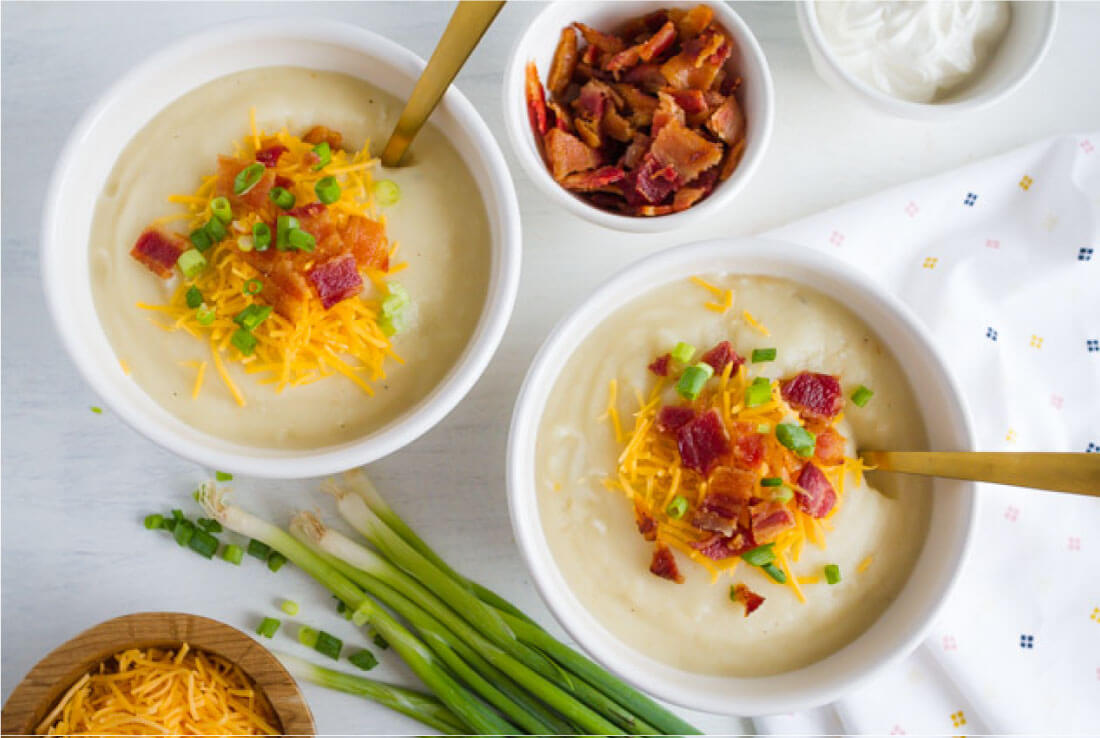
(48, 681)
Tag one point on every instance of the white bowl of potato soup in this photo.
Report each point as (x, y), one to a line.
(741, 87)
(685, 486)
(238, 277)
(926, 60)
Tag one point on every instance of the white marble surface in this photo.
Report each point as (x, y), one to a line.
(76, 485)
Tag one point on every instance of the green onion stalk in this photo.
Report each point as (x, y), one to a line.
(417, 705)
(601, 691)
(473, 713)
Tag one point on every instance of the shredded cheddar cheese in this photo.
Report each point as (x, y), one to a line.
(162, 692)
(725, 295)
(755, 323)
(864, 565)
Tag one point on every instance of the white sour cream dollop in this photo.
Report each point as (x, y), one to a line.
(914, 51)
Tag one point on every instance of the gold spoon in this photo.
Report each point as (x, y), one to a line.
(1078, 473)
(466, 27)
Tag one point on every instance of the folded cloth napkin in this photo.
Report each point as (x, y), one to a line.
(997, 259)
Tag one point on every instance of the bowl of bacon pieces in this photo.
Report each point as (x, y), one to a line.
(639, 116)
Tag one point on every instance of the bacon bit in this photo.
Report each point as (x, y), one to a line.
(321, 134)
(815, 396)
(668, 111)
(664, 564)
(269, 156)
(768, 523)
(588, 131)
(713, 522)
(256, 198)
(660, 365)
(723, 354)
(564, 64)
(816, 496)
(672, 418)
(694, 22)
(562, 120)
(311, 210)
(748, 598)
(646, 76)
(568, 154)
(616, 126)
(595, 179)
(159, 250)
(604, 42)
(687, 197)
(536, 100)
(684, 149)
(647, 526)
(733, 158)
(702, 441)
(748, 450)
(727, 122)
(652, 47)
(652, 182)
(285, 288)
(719, 547)
(830, 447)
(336, 280)
(642, 106)
(284, 182)
(691, 102)
(592, 100)
(734, 483)
(632, 157)
(366, 240)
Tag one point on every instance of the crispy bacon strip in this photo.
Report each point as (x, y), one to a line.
(536, 100)
(564, 63)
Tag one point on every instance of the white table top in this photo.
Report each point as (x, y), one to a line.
(76, 485)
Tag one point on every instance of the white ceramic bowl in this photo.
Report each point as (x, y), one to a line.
(901, 626)
(537, 44)
(1024, 45)
(109, 125)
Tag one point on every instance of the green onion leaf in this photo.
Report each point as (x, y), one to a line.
(290, 607)
(244, 341)
(862, 396)
(394, 318)
(364, 659)
(268, 626)
(96, 409)
(233, 553)
(223, 476)
(693, 380)
(327, 189)
(324, 155)
(759, 392)
(194, 297)
(796, 438)
(386, 192)
(216, 230)
(209, 525)
(205, 315)
(261, 236)
(307, 636)
(203, 544)
(200, 239)
(380, 641)
(219, 206)
(283, 226)
(281, 197)
(683, 352)
(783, 494)
(259, 549)
(183, 532)
(761, 555)
(771, 482)
(832, 573)
(191, 263)
(677, 507)
(252, 287)
(775, 573)
(764, 428)
(251, 317)
(301, 240)
(154, 521)
(762, 355)
(177, 514)
(248, 178)
(275, 561)
(328, 644)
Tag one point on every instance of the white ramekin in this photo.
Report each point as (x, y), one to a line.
(537, 44)
(1025, 44)
(901, 626)
(108, 126)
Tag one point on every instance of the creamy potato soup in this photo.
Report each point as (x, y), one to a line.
(439, 226)
(712, 621)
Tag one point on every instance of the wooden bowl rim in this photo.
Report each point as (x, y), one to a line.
(47, 681)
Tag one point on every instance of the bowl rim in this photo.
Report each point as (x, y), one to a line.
(571, 613)
(813, 36)
(501, 291)
(48, 680)
(519, 130)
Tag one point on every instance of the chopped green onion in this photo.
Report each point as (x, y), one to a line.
(364, 659)
(205, 315)
(693, 380)
(200, 239)
(764, 428)
(862, 396)
(191, 263)
(283, 226)
(301, 240)
(683, 352)
(219, 206)
(796, 438)
(762, 355)
(386, 192)
(783, 494)
(215, 229)
(282, 197)
(324, 155)
(244, 341)
(259, 549)
(775, 573)
(394, 318)
(154, 521)
(177, 514)
(194, 297)
(233, 553)
(252, 287)
(209, 525)
(248, 178)
(203, 543)
(328, 644)
(223, 476)
(761, 555)
(771, 482)
(290, 607)
(261, 236)
(327, 189)
(307, 636)
(96, 409)
(169, 525)
(832, 573)
(759, 392)
(275, 561)
(252, 316)
(183, 531)
(677, 508)
(380, 641)
(244, 243)
(268, 627)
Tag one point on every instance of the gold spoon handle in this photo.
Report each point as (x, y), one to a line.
(1062, 472)
(467, 25)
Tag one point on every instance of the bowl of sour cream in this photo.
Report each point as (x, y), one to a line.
(927, 59)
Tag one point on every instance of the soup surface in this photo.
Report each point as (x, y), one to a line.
(442, 236)
(874, 536)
